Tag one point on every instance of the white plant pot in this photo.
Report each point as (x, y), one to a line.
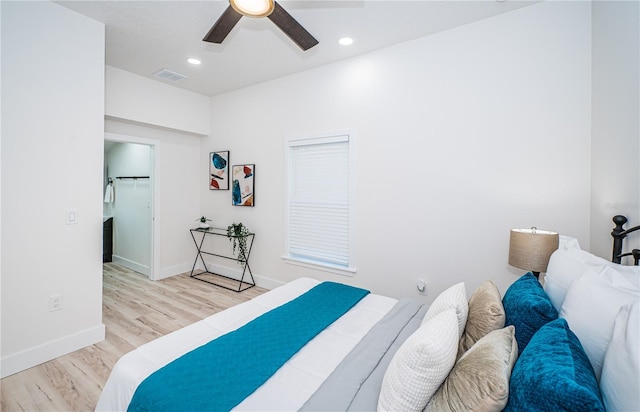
(204, 226)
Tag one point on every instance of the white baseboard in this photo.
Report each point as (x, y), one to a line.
(130, 264)
(29, 358)
(268, 283)
(175, 270)
(234, 271)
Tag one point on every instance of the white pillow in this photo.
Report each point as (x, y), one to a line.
(568, 242)
(620, 381)
(453, 298)
(420, 365)
(569, 262)
(591, 306)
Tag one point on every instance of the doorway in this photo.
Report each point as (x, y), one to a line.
(131, 167)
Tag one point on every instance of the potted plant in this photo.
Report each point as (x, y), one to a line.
(203, 222)
(237, 234)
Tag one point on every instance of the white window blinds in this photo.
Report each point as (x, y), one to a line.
(320, 202)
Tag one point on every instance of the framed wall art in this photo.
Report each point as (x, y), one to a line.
(219, 170)
(242, 191)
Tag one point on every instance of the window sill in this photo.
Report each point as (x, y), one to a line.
(325, 267)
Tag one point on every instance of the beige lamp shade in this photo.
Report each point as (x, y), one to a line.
(530, 249)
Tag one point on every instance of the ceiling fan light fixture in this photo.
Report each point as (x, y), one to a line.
(253, 8)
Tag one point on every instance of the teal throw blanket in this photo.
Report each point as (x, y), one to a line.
(220, 374)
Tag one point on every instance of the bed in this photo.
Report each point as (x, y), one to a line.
(468, 350)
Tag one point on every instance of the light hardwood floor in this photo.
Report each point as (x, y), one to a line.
(135, 311)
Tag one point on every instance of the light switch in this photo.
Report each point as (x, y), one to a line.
(72, 216)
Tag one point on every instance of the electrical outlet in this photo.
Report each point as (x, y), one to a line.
(55, 302)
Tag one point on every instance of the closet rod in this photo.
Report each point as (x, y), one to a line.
(132, 177)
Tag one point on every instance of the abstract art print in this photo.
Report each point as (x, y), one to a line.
(243, 185)
(219, 170)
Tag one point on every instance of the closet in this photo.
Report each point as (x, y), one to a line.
(127, 205)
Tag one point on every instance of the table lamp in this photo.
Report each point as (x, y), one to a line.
(530, 249)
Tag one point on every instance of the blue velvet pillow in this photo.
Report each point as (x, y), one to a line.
(554, 374)
(528, 308)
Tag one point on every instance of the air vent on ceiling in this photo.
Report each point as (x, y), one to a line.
(169, 75)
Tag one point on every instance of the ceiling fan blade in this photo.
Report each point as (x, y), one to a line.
(223, 26)
(292, 28)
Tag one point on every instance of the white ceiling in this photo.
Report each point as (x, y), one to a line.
(145, 36)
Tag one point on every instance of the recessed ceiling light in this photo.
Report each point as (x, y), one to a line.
(193, 61)
(345, 41)
(253, 8)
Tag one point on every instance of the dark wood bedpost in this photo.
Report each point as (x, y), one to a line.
(636, 256)
(618, 235)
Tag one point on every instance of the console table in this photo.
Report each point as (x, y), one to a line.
(198, 235)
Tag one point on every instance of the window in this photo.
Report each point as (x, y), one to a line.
(320, 202)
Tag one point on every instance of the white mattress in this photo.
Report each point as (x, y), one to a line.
(286, 390)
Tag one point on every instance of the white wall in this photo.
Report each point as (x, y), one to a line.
(52, 153)
(136, 98)
(176, 119)
(460, 136)
(132, 208)
(615, 165)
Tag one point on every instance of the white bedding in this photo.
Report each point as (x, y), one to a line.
(289, 388)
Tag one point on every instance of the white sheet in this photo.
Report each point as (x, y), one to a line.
(286, 390)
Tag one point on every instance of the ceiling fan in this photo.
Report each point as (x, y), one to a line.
(260, 8)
